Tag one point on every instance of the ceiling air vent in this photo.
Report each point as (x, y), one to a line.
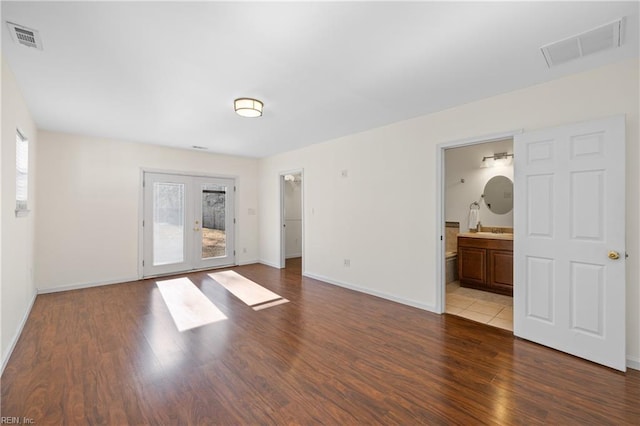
(25, 36)
(606, 37)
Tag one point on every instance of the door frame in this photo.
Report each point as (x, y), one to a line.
(440, 275)
(281, 234)
(144, 170)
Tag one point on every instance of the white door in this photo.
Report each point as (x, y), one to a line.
(569, 242)
(188, 223)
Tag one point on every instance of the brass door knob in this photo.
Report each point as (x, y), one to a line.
(614, 255)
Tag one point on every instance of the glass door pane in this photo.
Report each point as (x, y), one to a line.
(214, 223)
(214, 214)
(168, 223)
(167, 234)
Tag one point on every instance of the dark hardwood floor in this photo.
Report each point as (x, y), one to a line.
(112, 355)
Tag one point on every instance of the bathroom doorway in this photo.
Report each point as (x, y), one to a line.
(291, 219)
(569, 274)
(477, 229)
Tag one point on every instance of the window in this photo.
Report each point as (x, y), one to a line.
(22, 174)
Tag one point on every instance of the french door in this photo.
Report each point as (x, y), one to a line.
(188, 223)
(569, 242)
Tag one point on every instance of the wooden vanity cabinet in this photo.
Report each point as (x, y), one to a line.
(486, 264)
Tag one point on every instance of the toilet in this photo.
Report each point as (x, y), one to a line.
(451, 251)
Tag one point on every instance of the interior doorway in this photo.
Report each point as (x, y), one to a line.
(568, 261)
(477, 230)
(291, 219)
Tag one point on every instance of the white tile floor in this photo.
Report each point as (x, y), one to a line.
(481, 306)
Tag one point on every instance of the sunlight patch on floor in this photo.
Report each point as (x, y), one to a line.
(269, 305)
(189, 307)
(246, 290)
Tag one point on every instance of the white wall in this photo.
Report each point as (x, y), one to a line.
(466, 163)
(293, 217)
(88, 198)
(17, 234)
(382, 216)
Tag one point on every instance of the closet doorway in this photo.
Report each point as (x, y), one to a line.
(291, 219)
(188, 223)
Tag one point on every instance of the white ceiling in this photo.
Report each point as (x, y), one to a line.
(167, 72)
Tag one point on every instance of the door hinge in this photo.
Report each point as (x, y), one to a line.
(234, 189)
(143, 223)
(143, 263)
(234, 252)
(234, 220)
(143, 182)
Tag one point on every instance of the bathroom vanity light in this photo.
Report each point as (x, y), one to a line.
(248, 107)
(498, 156)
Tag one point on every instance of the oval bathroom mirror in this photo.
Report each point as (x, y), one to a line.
(498, 194)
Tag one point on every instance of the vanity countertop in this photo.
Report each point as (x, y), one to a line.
(487, 235)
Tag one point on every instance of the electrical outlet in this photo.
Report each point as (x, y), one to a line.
(347, 263)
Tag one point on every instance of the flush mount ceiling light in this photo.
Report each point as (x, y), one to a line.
(248, 107)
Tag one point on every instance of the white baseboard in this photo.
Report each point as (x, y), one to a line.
(14, 340)
(265, 262)
(633, 363)
(291, 256)
(248, 262)
(86, 285)
(376, 293)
